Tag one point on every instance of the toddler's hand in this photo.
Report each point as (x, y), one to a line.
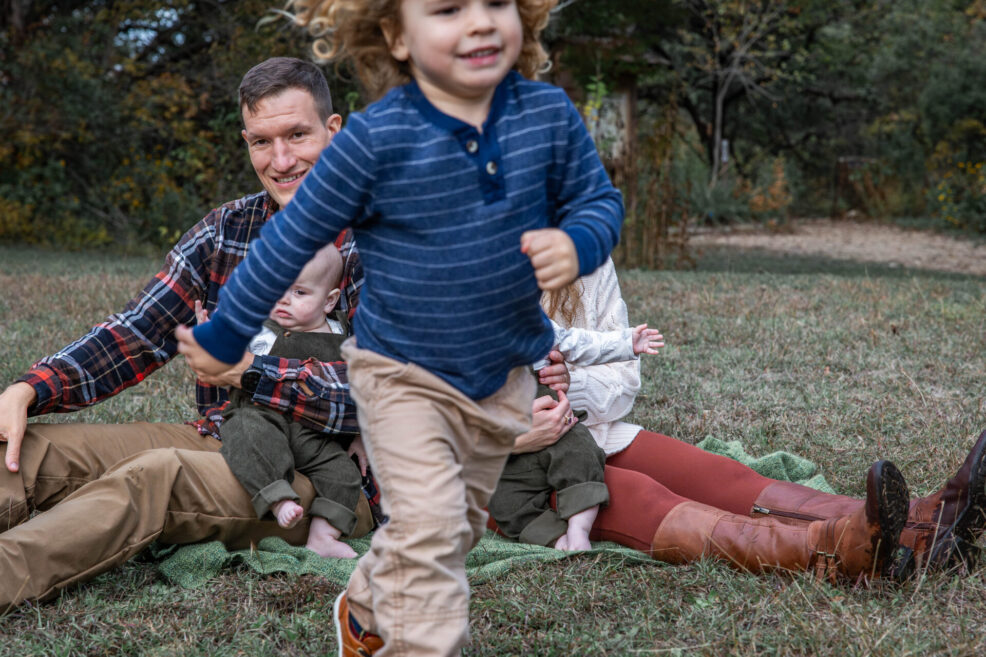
(552, 252)
(645, 340)
(204, 365)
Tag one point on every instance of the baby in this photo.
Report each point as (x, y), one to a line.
(264, 447)
(572, 467)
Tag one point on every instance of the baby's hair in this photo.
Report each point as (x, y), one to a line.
(327, 263)
(349, 30)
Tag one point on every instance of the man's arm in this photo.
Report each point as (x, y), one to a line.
(128, 346)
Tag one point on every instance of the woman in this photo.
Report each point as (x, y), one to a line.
(679, 503)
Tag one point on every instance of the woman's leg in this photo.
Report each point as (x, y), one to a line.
(692, 472)
(673, 529)
(637, 505)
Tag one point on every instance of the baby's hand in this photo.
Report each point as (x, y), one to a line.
(356, 447)
(201, 314)
(645, 340)
(552, 252)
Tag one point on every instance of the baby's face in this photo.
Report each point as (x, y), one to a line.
(306, 303)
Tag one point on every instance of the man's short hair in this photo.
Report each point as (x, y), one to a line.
(278, 74)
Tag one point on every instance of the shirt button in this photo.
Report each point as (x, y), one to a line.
(472, 146)
(491, 168)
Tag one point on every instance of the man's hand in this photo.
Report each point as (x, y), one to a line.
(204, 365)
(14, 403)
(556, 375)
(552, 419)
(646, 341)
(356, 447)
(552, 253)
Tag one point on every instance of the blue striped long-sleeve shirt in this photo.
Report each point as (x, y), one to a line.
(437, 208)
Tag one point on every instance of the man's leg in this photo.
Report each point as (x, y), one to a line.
(57, 459)
(177, 496)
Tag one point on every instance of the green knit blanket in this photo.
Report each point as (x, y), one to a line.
(191, 566)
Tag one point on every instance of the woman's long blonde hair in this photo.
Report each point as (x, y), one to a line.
(349, 31)
(564, 305)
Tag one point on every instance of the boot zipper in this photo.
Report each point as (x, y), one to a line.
(786, 514)
(810, 518)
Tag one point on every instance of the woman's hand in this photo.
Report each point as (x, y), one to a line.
(556, 375)
(552, 419)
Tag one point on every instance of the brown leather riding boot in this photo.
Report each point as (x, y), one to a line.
(855, 545)
(941, 528)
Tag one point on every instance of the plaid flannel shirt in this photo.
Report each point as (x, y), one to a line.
(128, 346)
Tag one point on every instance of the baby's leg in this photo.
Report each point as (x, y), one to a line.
(323, 539)
(577, 536)
(287, 512)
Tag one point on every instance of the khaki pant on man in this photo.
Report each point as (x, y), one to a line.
(437, 456)
(107, 491)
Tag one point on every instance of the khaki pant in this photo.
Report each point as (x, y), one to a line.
(437, 456)
(107, 491)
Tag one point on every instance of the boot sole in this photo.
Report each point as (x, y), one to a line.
(890, 491)
(957, 542)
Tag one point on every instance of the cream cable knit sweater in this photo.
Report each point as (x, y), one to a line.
(605, 392)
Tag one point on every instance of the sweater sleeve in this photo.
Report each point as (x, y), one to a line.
(587, 347)
(588, 208)
(331, 198)
(605, 392)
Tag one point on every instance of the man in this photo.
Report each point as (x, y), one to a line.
(107, 491)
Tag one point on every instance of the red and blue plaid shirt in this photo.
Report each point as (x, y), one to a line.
(128, 346)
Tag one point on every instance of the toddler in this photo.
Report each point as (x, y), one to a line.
(469, 188)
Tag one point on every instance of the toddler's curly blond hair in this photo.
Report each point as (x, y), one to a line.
(350, 30)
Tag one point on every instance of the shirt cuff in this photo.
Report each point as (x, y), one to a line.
(41, 379)
(576, 394)
(219, 339)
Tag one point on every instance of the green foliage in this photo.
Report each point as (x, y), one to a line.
(121, 123)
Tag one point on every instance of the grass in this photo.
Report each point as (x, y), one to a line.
(841, 362)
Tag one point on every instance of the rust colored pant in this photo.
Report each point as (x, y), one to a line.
(655, 474)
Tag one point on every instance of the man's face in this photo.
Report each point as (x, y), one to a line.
(285, 137)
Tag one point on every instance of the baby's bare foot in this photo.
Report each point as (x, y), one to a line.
(579, 526)
(323, 540)
(562, 542)
(577, 539)
(287, 512)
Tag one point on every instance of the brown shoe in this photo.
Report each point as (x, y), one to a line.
(941, 530)
(855, 545)
(351, 645)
